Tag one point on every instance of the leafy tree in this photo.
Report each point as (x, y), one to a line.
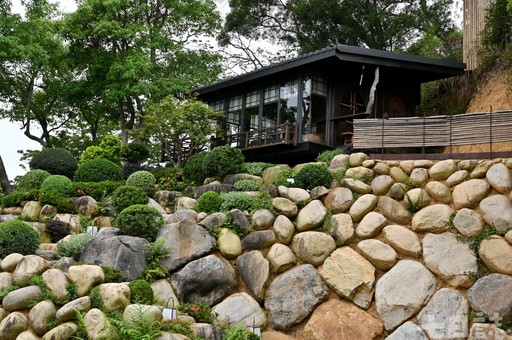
(182, 127)
(497, 31)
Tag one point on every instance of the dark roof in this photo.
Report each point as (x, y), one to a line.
(436, 68)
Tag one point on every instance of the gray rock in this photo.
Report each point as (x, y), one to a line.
(281, 258)
(362, 206)
(239, 218)
(470, 193)
(462, 267)
(41, 315)
(283, 229)
(164, 294)
(262, 219)
(313, 247)
(87, 206)
(434, 218)
(380, 255)
(445, 316)
(233, 178)
(259, 240)
(487, 331)
(408, 330)
(255, 271)
(342, 229)
(402, 292)
(126, 253)
(28, 266)
(216, 187)
(206, 331)
(21, 298)
(381, 168)
(338, 200)
(467, 164)
(32, 209)
(496, 253)
(115, 296)
(468, 222)
(497, 211)
(165, 198)
(284, 206)
(72, 219)
(27, 335)
(239, 308)
(13, 325)
(419, 177)
(318, 192)
(62, 332)
(186, 241)
(499, 178)
(207, 280)
(491, 296)
(397, 191)
(213, 221)
(284, 307)
(442, 170)
(154, 204)
(69, 310)
(182, 215)
(350, 275)
(184, 202)
(439, 192)
(371, 225)
(356, 186)
(407, 166)
(393, 210)
(381, 184)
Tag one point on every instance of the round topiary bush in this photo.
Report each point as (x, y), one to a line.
(127, 195)
(57, 184)
(141, 292)
(98, 170)
(17, 237)
(141, 221)
(57, 161)
(222, 161)
(109, 148)
(32, 180)
(247, 185)
(313, 175)
(209, 202)
(193, 169)
(144, 180)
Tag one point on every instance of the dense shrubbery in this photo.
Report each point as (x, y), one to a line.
(14, 199)
(32, 180)
(199, 311)
(141, 292)
(128, 195)
(141, 221)
(56, 161)
(109, 149)
(61, 203)
(17, 237)
(193, 169)
(130, 168)
(97, 190)
(170, 179)
(256, 168)
(247, 185)
(328, 155)
(313, 175)
(57, 229)
(235, 200)
(143, 180)
(57, 184)
(209, 202)
(222, 161)
(134, 152)
(98, 170)
(72, 246)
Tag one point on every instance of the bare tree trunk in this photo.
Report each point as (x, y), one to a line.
(369, 107)
(4, 180)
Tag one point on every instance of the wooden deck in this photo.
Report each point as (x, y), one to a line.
(286, 133)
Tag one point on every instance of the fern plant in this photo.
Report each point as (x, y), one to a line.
(155, 252)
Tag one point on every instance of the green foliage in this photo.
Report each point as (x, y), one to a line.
(141, 221)
(7, 290)
(71, 289)
(233, 227)
(247, 185)
(57, 229)
(127, 195)
(97, 190)
(17, 237)
(134, 152)
(262, 201)
(236, 200)
(171, 179)
(37, 280)
(313, 175)
(112, 274)
(283, 176)
(16, 198)
(498, 24)
(57, 184)
(178, 328)
(209, 202)
(222, 161)
(144, 180)
(238, 332)
(193, 169)
(63, 204)
(57, 161)
(141, 292)
(199, 311)
(141, 327)
(256, 168)
(155, 252)
(327, 155)
(32, 180)
(73, 246)
(96, 299)
(98, 170)
(109, 149)
(164, 172)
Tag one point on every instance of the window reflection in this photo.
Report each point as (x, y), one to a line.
(234, 115)
(252, 109)
(288, 101)
(270, 107)
(314, 108)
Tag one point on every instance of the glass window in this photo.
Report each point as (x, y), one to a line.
(314, 108)
(217, 106)
(234, 114)
(288, 101)
(270, 107)
(252, 110)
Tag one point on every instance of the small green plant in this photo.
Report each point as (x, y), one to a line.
(128, 195)
(57, 184)
(199, 311)
(85, 221)
(256, 168)
(140, 327)
(37, 280)
(17, 237)
(313, 175)
(193, 169)
(223, 160)
(247, 185)
(63, 204)
(238, 332)
(81, 333)
(32, 180)
(98, 170)
(144, 180)
(73, 246)
(173, 180)
(96, 299)
(112, 274)
(178, 328)
(209, 202)
(71, 289)
(16, 198)
(286, 178)
(236, 200)
(140, 220)
(262, 201)
(57, 161)
(141, 292)
(109, 149)
(233, 227)
(155, 252)
(57, 230)
(327, 155)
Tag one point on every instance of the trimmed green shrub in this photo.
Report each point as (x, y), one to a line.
(32, 180)
(141, 221)
(235, 200)
(57, 229)
(313, 175)
(97, 190)
(247, 185)
(209, 202)
(256, 168)
(222, 161)
(73, 246)
(193, 169)
(109, 149)
(134, 152)
(126, 196)
(15, 199)
(63, 204)
(141, 292)
(57, 184)
(98, 170)
(57, 161)
(112, 274)
(327, 155)
(143, 180)
(17, 237)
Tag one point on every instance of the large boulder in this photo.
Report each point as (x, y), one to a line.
(499, 178)
(490, 295)
(338, 200)
(28, 266)
(311, 216)
(497, 211)
(403, 240)
(313, 247)
(13, 325)
(41, 315)
(434, 218)
(470, 193)
(239, 308)
(254, 269)
(21, 298)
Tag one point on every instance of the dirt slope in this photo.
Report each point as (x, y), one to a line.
(494, 95)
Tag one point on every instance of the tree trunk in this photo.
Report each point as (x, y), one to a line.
(4, 180)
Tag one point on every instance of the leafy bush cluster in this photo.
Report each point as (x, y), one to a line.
(247, 185)
(32, 180)
(199, 311)
(239, 332)
(109, 149)
(61, 203)
(327, 155)
(72, 246)
(236, 200)
(127, 195)
(193, 169)
(134, 152)
(223, 160)
(98, 170)
(15, 199)
(209, 202)
(17, 237)
(97, 190)
(140, 220)
(256, 168)
(141, 292)
(57, 161)
(313, 175)
(144, 180)
(57, 184)
(171, 179)
(155, 252)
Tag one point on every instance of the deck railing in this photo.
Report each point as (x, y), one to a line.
(280, 134)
